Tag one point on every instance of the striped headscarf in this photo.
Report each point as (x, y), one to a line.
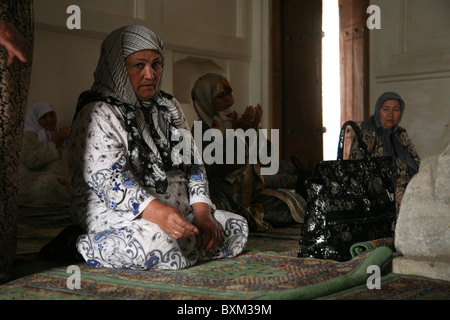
(203, 94)
(111, 77)
(149, 144)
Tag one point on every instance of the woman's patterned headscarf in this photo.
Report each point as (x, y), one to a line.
(111, 77)
(149, 145)
(392, 144)
(203, 94)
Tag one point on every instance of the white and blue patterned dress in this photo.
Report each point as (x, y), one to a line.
(108, 199)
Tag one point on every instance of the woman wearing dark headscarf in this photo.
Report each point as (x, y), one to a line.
(384, 137)
(141, 204)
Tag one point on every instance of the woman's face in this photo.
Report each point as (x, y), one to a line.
(144, 70)
(224, 99)
(48, 121)
(390, 113)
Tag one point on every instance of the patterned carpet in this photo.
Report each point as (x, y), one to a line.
(267, 270)
(399, 287)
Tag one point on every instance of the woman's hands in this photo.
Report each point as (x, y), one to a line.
(169, 220)
(206, 229)
(60, 135)
(251, 118)
(210, 235)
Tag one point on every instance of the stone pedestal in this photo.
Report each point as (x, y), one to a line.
(422, 235)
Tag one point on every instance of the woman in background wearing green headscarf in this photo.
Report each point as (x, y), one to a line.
(384, 137)
(141, 206)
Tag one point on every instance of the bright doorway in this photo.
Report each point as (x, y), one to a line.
(331, 106)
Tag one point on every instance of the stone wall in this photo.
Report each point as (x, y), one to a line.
(422, 234)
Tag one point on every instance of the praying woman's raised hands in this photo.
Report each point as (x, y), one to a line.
(251, 118)
(60, 135)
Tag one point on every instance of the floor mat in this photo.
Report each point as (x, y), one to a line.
(268, 269)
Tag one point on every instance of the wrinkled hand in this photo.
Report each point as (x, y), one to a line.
(169, 220)
(210, 231)
(12, 40)
(251, 118)
(60, 135)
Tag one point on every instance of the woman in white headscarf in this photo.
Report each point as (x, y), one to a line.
(141, 206)
(45, 177)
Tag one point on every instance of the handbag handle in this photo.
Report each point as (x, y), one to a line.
(361, 144)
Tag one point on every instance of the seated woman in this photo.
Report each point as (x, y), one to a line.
(384, 137)
(240, 187)
(140, 206)
(45, 177)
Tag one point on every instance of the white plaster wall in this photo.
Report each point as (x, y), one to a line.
(199, 35)
(410, 55)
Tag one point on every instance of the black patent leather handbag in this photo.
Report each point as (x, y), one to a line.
(348, 201)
